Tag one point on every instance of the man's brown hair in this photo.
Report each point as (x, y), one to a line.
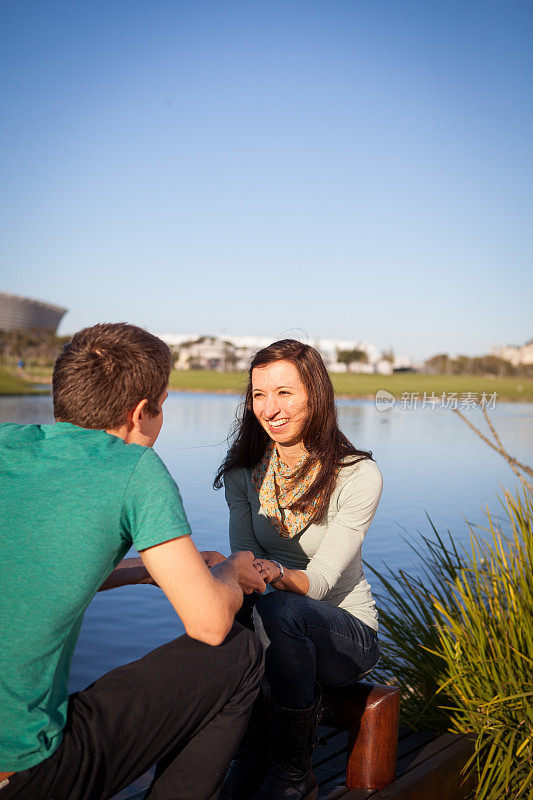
(105, 371)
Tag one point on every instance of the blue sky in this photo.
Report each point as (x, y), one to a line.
(355, 169)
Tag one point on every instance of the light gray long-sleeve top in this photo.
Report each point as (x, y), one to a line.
(329, 553)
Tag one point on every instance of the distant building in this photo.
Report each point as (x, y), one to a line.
(329, 350)
(515, 354)
(384, 367)
(22, 314)
(236, 352)
(206, 352)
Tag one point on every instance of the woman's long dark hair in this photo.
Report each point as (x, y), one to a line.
(322, 438)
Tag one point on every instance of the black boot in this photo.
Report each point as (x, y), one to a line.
(294, 733)
(249, 767)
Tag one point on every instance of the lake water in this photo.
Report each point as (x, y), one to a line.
(431, 462)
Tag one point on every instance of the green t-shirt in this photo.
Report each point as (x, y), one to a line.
(72, 502)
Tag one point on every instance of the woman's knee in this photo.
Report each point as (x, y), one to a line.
(281, 610)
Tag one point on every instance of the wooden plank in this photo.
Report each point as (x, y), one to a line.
(404, 731)
(331, 775)
(333, 746)
(329, 762)
(433, 772)
(414, 741)
(410, 747)
(428, 750)
(436, 777)
(343, 793)
(325, 733)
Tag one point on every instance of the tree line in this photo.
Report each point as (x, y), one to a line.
(442, 364)
(35, 348)
(40, 348)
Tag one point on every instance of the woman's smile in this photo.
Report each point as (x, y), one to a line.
(277, 423)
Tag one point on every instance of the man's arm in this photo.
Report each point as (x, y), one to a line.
(131, 571)
(205, 600)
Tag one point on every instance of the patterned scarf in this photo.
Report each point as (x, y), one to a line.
(272, 479)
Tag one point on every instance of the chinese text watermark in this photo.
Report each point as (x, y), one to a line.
(409, 401)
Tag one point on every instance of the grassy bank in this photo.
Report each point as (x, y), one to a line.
(368, 385)
(203, 380)
(347, 385)
(11, 383)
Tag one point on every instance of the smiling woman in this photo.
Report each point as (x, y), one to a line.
(301, 498)
(279, 402)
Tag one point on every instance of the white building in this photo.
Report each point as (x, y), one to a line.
(236, 352)
(205, 352)
(517, 355)
(383, 367)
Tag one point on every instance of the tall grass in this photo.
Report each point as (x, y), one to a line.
(487, 650)
(409, 629)
(458, 639)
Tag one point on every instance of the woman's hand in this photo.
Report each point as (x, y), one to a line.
(294, 580)
(212, 557)
(267, 569)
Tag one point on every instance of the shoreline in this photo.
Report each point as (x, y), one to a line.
(232, 392)
(411, 390)
(358, 396)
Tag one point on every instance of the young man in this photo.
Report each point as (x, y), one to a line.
(74, 497)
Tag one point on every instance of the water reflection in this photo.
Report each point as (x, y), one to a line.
(429, 459)
(26, 409)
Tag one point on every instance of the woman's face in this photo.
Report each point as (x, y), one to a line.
(280, 402)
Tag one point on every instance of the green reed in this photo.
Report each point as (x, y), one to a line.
(459, 642)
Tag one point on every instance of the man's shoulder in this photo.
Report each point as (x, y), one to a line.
(15, 436)
(10, 429)
(71, 444)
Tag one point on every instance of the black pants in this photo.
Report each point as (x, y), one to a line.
(184, 706)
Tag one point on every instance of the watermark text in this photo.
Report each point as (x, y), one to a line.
(410, 401)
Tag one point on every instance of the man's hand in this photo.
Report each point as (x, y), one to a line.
(206, 600)
(240, 567)
(212, 557)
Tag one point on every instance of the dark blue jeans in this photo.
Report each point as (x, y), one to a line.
(310, 641)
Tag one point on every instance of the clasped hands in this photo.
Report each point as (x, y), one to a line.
(266, 568)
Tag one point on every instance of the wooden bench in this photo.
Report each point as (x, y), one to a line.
(362, 757)
(371, 715)
(360, 730)
(428, 768)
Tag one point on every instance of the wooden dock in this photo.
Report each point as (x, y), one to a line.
(428, 768)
